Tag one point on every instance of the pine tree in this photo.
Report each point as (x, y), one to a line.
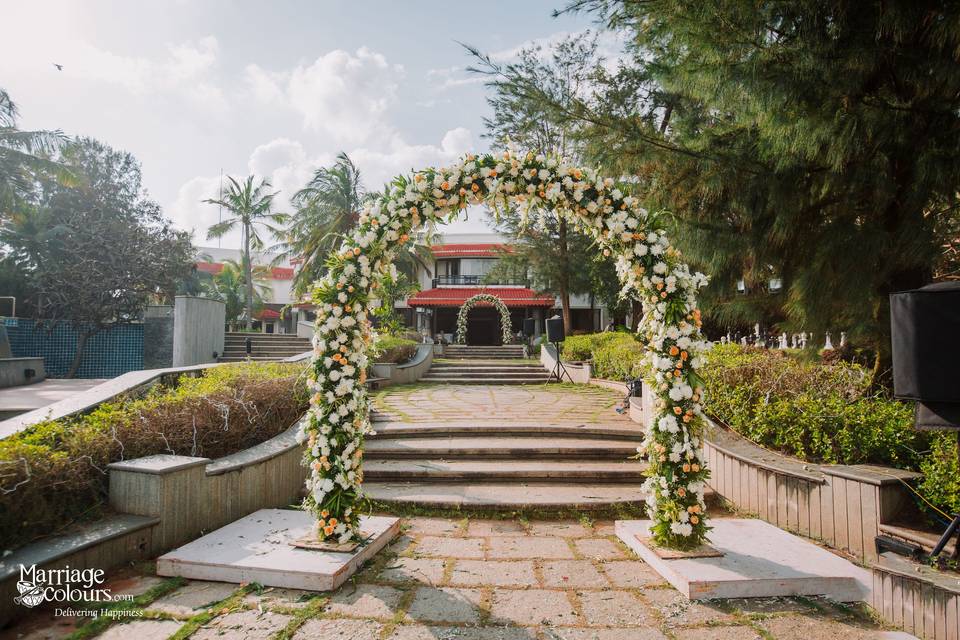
(812, 140)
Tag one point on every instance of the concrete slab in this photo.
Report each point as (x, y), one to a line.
(759, 560)
(257, 549)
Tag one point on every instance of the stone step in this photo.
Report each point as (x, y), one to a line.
(560, 471)
(504, 496)
(244, 358)
(490, 448)
(525, 380)
(472, 373)
(388, 428)
(443, 366)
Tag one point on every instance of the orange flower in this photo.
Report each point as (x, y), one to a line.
(324, 513)
(674, 350)
(463, 191)
(676, 373)
(493, 173)
(445, 185)
(681, 492)
(333, 522)
(694, 519)
(684, 355)
(356, 251)
(328, 530)
(475, 187)
(695, 467)
(677, 410)
(686, 468)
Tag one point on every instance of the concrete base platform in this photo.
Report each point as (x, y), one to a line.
(759, 560)
(258, 548)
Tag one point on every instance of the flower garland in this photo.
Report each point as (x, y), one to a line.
(650, 271)
(469, 303)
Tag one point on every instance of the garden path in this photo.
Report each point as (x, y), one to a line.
(468, 579)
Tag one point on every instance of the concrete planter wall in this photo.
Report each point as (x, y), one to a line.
(163, 501)
(198, 330)
(408, 372)
(15, 372)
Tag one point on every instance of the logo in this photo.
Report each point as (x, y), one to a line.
(37, 586)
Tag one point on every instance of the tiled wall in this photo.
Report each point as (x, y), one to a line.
(109, 353)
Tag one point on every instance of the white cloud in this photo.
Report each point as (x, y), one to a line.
(287, 165)
(343, 95)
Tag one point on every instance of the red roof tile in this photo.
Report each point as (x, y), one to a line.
(276, 273)
(483, 250)
(456, 296)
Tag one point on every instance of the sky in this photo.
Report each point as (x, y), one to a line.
(275, 88)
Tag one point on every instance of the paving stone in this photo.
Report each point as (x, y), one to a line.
(43, 625)
(678, 611)
(446, 604)
(420, 632)
(529, 547)
(599, 548)
(241, 625)
(809, 627)
(142, 630)
(488, 528)
(572, 573)
(400, 544)
(432, 526)
(631, 574)
(186, 600)
(722, 633)
(629, 633)
(604, 528)
(275, 597)
(532, 607)
(493, 573)
(432, 546)
(134, 585)
(338, 629)
(404, 570)
(614, 608)
(365, 601)
(562, 529)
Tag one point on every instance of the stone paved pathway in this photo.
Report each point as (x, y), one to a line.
(446, 579)
(545, 404)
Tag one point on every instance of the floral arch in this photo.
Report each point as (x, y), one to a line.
(470, 303)
(650, 271)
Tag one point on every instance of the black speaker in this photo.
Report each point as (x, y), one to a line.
(925, 335)
(555, 329)
(529, 327)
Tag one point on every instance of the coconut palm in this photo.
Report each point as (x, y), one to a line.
(230, 287)
(24, 155)
(251, 207)
(326, 208)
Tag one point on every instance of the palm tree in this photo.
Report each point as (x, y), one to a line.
(326, 208)
(251, 207)
(230, 286)
(24, 155)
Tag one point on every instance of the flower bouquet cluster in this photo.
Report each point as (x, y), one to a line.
(470, 303)
(650, 271)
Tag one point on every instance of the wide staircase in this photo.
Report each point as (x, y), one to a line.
(264, 346)
(502, 448)
(463, 364)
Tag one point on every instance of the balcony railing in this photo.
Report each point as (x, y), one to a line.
(476, 281)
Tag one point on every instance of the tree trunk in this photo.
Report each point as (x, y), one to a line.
(248, 268)
(636, 311)
(82, 338)
(564, 284)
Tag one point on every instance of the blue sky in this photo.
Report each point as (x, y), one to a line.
(273, 88)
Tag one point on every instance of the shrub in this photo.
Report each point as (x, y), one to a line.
(616, 355)
(816, 412)
(394, 349)
(55, 472)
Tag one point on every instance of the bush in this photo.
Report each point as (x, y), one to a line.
(616, 355)
(816, 412)
(55, 472)
(394, 349)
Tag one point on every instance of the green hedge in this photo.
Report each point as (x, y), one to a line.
(616, 355)
(814, 411)
(394, 349)
(54, 473)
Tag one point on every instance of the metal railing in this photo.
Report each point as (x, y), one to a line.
(474, 281)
